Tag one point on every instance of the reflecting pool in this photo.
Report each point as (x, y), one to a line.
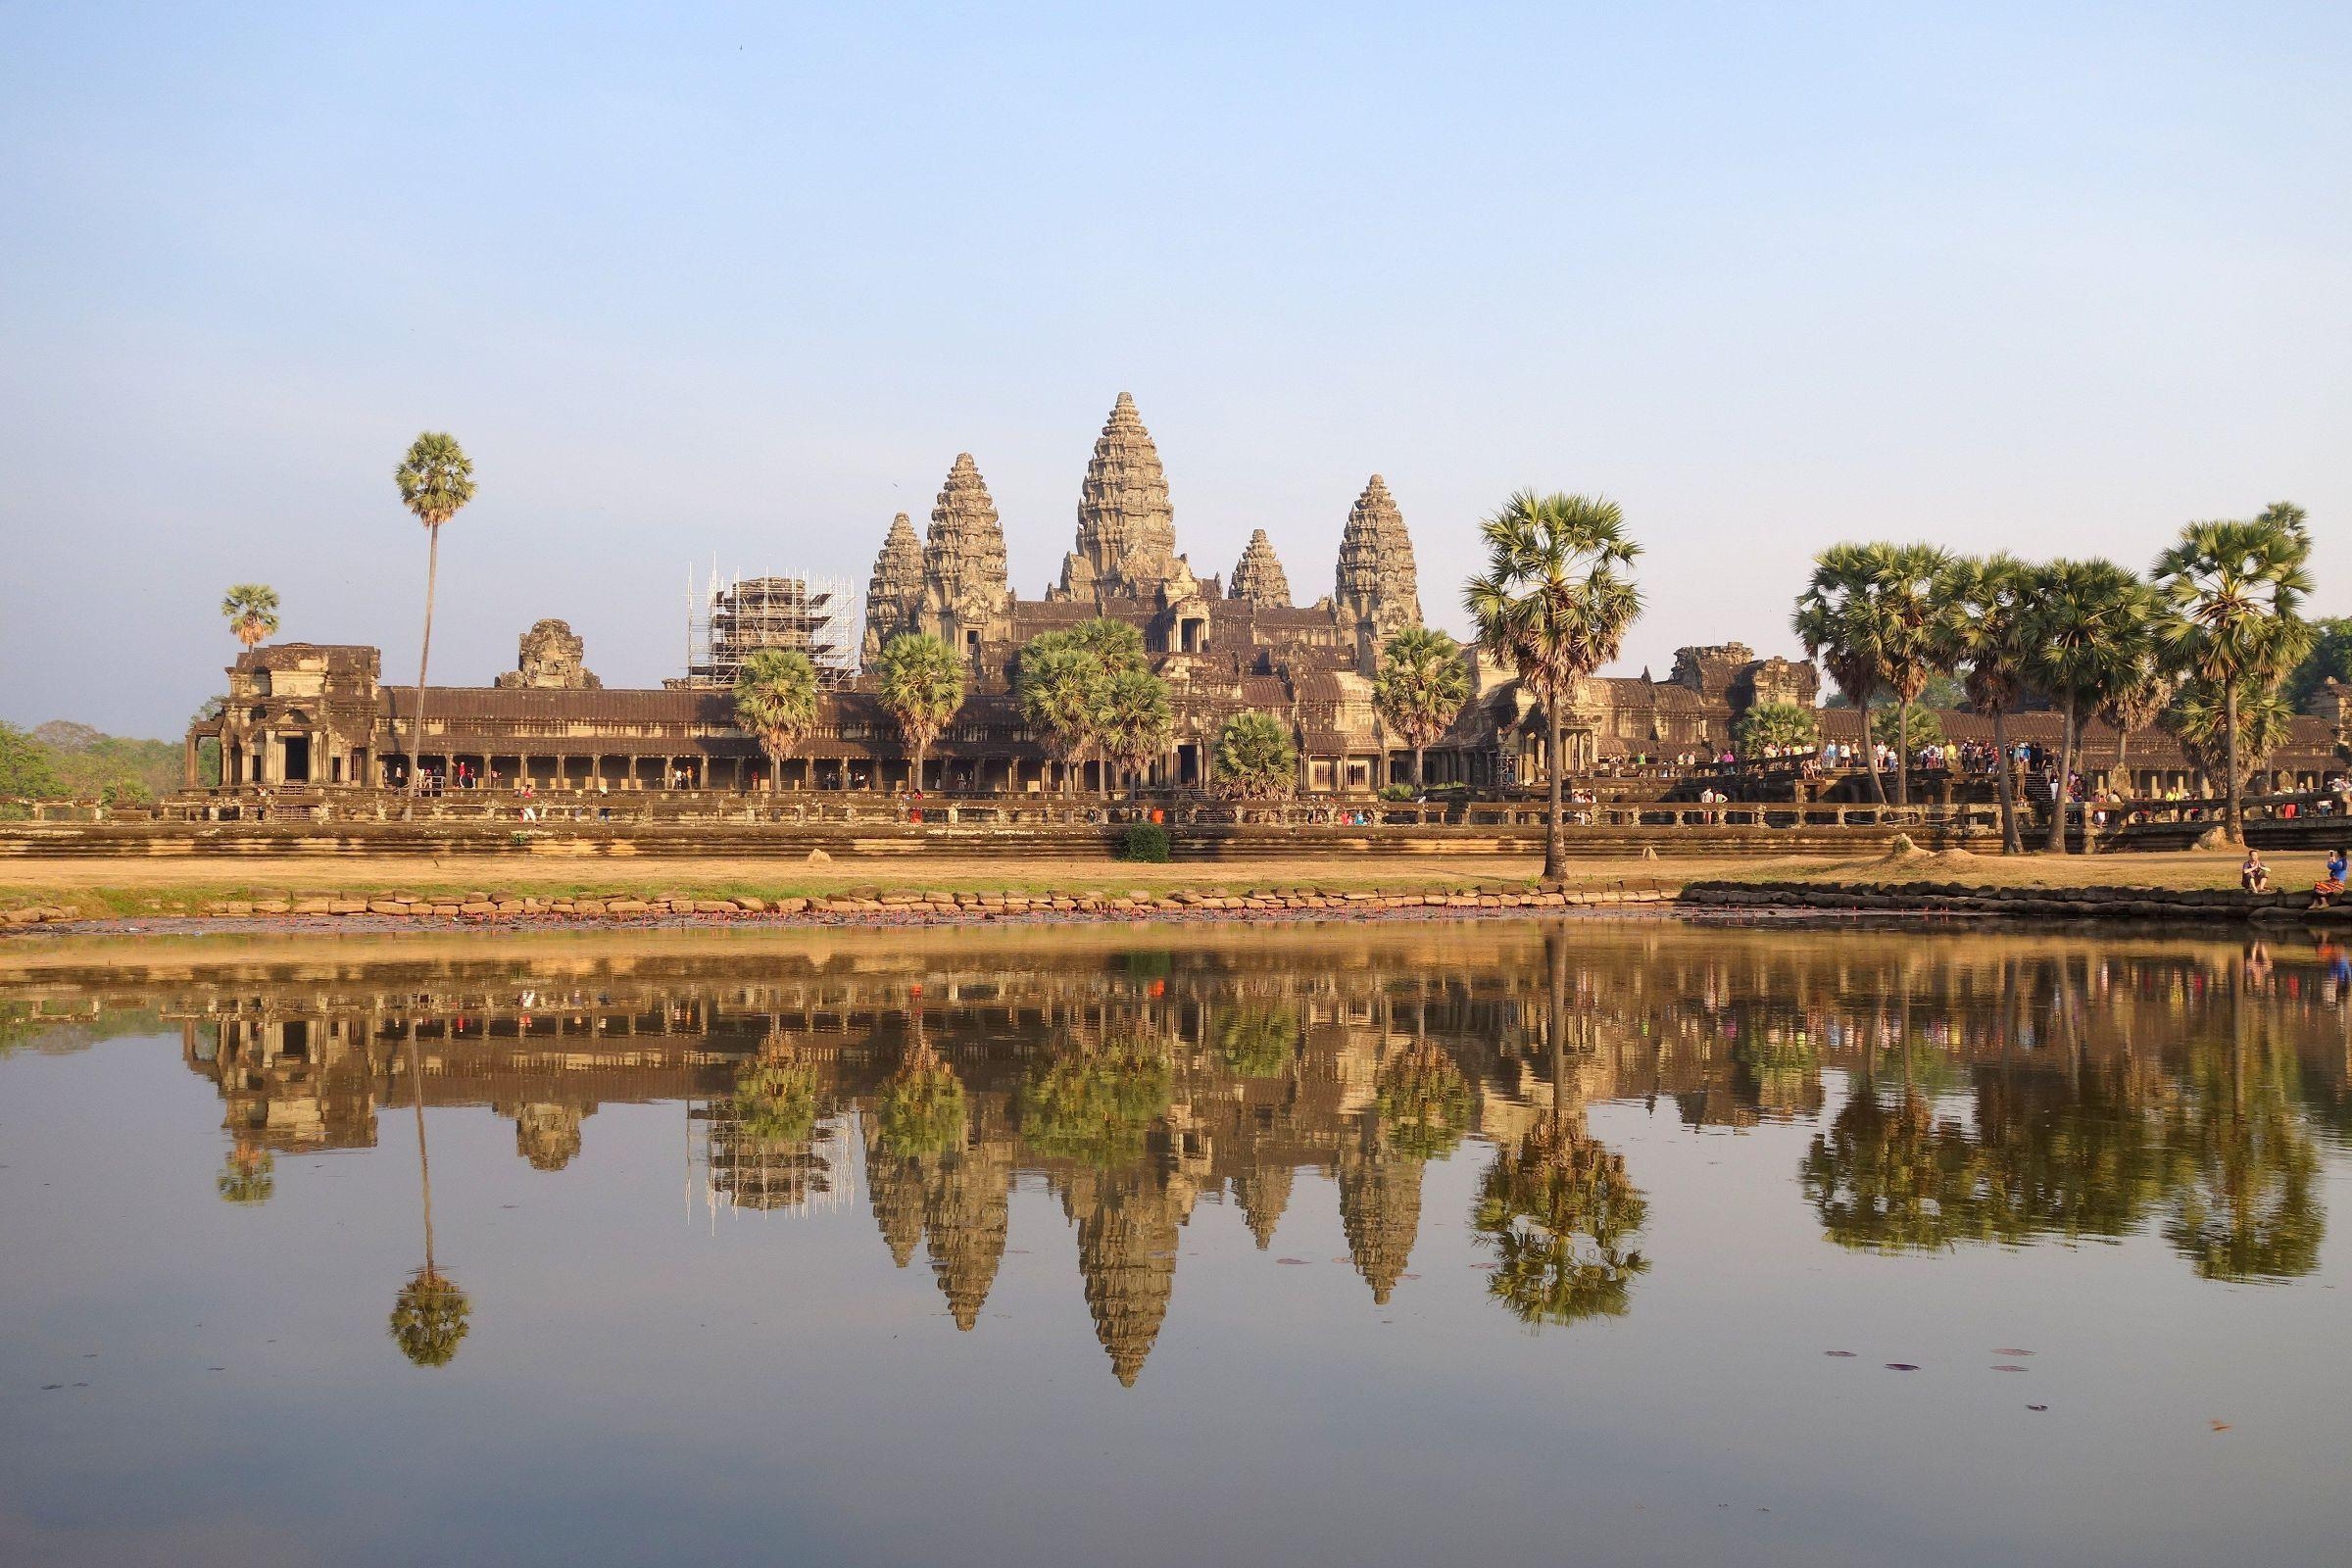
(1589, 1242)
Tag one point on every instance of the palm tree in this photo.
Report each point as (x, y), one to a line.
(1058, 689)
(1255, 756)
(1134, 720)
(1789, 725)
(1984, 600)
(1116, 649)
(776, 700)
(1906, 600)
(922, 686)
(1835, 622)
(1875, 614)
(1554, 600)
(2087, 632)
(428, 1316)
(2233, 591)
(2199, 717)
(252, 612)
(2136, 704)
(435, 480)
(1421, 686)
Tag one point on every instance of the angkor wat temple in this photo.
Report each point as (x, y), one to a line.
(321, 715)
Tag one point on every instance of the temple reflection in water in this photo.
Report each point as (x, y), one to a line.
(1995, 1088)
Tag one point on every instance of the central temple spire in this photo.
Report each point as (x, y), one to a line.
(1126, 527)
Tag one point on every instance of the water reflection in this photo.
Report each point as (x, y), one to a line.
(1963, 1090)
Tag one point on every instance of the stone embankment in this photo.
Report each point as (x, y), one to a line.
(876, 905)
(2206, 905)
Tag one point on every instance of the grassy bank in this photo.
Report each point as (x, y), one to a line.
(118, 888)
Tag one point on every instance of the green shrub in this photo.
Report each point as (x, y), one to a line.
(1145, 842)
(1396, 792)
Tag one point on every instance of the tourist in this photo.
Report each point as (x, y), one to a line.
(2332, 884)
(2253, 876)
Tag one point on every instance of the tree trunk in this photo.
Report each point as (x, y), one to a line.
(775, 771)
(425, 1173)
(425, 653)
(1902, 750)
(1420, 777)
(2234, 818)
(2011, 841)
(1869, 752)
(2055, 844)
(1555, 859)
(920, 747)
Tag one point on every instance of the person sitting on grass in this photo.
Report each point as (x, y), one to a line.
(2254, 877)
(2332, 884)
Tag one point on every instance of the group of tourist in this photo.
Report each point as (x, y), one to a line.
(2255, 877)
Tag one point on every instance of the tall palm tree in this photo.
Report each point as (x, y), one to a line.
(435, 480)
(1059, 688)
(1255, 756)
(1906, 600)
(2200, 719)
(1985, 602)
(1834, 621)
(922, 686)
(1421, 687)
(251, 609)
(1116, 649)
(1875, 614)
(1555, 599)
(2233, 593)
(1135, 719)
(2136, 704)
(2087, 631)
(776, 700)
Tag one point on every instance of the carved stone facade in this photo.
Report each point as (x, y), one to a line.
(551, 658)
(1258, 577)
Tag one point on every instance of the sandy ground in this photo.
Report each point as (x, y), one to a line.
(128, 886)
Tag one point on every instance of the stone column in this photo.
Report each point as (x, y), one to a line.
(188, 763)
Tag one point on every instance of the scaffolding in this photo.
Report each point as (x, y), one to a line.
(731, 619)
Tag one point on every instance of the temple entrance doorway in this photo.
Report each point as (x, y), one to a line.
(298, 758)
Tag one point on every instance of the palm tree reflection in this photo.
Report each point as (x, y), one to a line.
(1557, 1206)
(249, 1176)
(429, 1315)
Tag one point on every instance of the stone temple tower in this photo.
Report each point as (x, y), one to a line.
(964, 586)
(1258, 577)
(1379, 591)
(894, 596)
(1126, 527)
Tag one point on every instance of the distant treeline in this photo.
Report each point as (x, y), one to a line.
(61, 760)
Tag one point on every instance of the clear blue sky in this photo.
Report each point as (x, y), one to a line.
(741, 281)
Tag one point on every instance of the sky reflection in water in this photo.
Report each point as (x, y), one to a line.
(1359, 1244)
